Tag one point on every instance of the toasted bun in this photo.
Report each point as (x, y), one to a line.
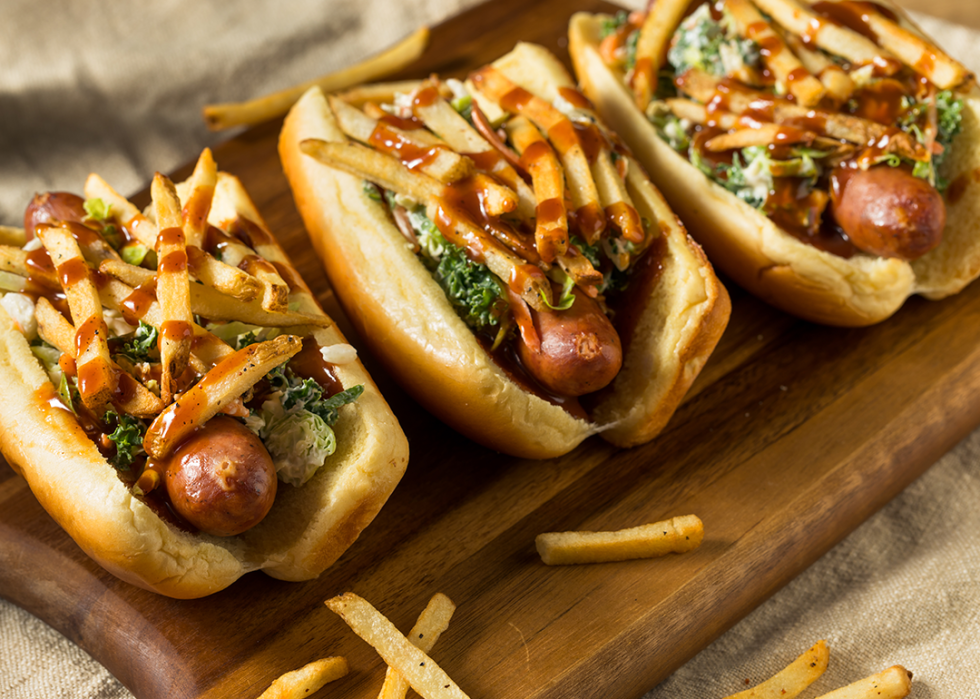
(755, 252)
(404, 316)
(308, 528)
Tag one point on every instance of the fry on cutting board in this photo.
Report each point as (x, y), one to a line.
(301, 683)
(418, 669)
(675, 535)
(225, 116)
(433, 620)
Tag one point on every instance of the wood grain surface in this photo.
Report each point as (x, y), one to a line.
(793, 435)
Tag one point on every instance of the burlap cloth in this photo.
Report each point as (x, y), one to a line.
(117, 88)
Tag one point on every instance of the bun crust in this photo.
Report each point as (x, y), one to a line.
(403, 315)
(307, 529)
(761, 257)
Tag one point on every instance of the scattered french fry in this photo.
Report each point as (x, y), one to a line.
(303, 682)
(433, 620)
(793, 679)
(418, 669)
(676, 535)
(893, 683)
(224, 116)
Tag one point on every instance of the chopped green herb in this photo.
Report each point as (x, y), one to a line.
(127, 436)
(143, 346)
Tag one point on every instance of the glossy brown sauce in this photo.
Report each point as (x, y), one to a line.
(176, 330)
(250, 233)
(413, 156)
(308, 363)
(880, 101)
(135, 306)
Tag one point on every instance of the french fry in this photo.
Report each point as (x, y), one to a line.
(54, 329)
(439, 116)
(223, 116)
(223, 277)
(138, 225)
(196, 195)
(893, 683)
(548, 181)
(212, 304)
(11, 235)
(793, 679)
(141, 305)
(383, 93)
(15, 261)
(614, 198)
(661, 23)
(577, 266)
(389, 173)
(418, 669)
(764, 134)
(374, 166)
(916, 52)
(788, 70)
(838, 85)
(275, 290)
(562, 136)
(173, 287)
(418, 148)
(217, 389)
(676, 535)
(433, 620)
(303, 682)
(96, 380)
(832, 38)
(702, 86)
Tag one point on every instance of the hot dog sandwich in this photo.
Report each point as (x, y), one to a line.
(175, 397)
(503, 255)
(821, 152)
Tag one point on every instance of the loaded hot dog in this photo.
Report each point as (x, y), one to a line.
(177, 400)
(821, 151)
(504, 256)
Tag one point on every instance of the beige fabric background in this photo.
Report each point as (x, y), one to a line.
(117, 88)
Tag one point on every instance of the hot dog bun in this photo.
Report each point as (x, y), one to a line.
(308, 527)
(406, 319)
(760, 256)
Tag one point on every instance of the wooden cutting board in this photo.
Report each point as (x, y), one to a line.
(793, 435)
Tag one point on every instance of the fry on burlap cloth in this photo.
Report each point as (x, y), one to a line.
(117, 88)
